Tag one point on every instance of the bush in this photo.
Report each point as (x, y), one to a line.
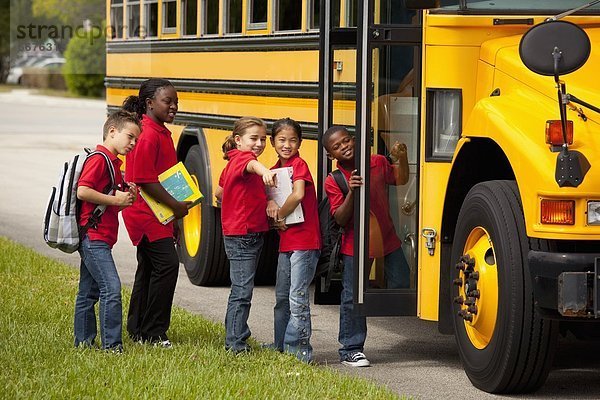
(43, 78)
(86, 64)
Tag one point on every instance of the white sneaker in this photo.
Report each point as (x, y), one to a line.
(357, 359)
(165, 344)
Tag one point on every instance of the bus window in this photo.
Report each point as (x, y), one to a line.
(351, 13)
(394, 12)
(133, 19)
(210, 16)
(289, 15)
(116, 19)
(257, 14)
(233, 16)
(314, 8)
(335, 13)
(169, 16)
(151, 17)
(189, 17)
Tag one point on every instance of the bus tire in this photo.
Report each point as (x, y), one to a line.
(201, 247)
(503, 343)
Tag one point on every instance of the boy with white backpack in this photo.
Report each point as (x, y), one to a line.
(101, 183)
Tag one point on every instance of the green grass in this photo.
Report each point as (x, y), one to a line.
(7, 88)
(38, 359)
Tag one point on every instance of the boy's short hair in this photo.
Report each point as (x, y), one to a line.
(119, 119)
(327, 135)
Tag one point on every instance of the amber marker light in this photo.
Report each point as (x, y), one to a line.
(554, 136)
(558, 212)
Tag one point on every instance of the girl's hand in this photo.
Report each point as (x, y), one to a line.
(280, 225)
(269, 178)
(123, 199)
(355, 180)
(272, 209)
(181, 209)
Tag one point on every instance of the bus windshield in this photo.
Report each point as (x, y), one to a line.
(515, 7)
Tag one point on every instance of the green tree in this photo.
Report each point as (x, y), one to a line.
(71, 12)
(4, 39)
(86, 64)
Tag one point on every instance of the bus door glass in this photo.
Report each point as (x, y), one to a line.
(387, 132)
(337, 98)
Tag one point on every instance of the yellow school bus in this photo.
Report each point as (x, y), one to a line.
(497, 103)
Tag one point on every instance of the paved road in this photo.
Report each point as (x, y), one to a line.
(38, 133)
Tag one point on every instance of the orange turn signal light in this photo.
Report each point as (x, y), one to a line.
(554, 134)
(558, 212)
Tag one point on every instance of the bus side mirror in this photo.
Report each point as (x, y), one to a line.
(421, 4)
(540, 43)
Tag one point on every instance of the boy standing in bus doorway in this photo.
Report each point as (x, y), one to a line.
(339, 145)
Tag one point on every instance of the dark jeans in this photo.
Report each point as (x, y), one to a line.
(153, 289)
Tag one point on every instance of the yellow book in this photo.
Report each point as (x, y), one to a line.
(179, 184)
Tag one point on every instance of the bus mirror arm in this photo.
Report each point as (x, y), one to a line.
(571, 165)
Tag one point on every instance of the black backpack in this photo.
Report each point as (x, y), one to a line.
(330, 261)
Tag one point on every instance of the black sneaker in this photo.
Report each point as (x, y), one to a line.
(357, 359)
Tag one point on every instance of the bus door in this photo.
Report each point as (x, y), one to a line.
(387, 115)
(337, 97)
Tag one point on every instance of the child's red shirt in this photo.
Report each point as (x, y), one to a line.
(153, 154)
(95, 175)
(305, 235)
(382, 174)
(244, 202)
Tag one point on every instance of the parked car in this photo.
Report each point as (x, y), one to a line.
(16, 73)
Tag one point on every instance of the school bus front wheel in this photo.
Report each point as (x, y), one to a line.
(201, 244)
(504, 344)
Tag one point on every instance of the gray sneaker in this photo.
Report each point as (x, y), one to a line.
(357, 359)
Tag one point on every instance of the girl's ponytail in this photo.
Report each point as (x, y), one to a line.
(132, 104)
(229, 144)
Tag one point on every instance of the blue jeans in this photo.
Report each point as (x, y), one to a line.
(98, 280)
(242, 252)
(397, 271)
(353, 328)
(295, 272)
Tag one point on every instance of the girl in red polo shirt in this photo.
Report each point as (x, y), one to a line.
(299, 245)
(158, 264)
(244, 220)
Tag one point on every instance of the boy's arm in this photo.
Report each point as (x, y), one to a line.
(268, 176)
(399, 158)
(344, 212)
(122, 199)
